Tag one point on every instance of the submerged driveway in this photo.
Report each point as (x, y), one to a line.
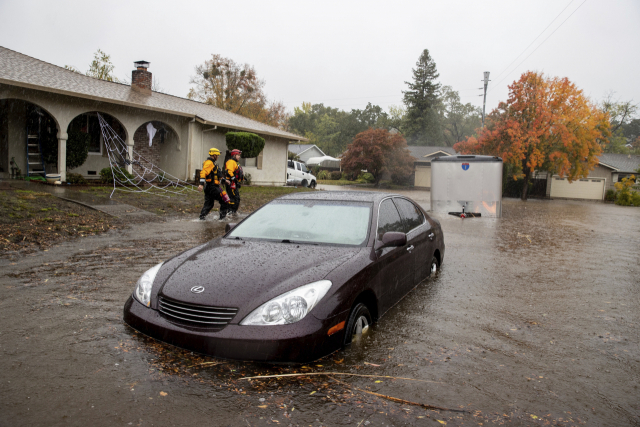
(533, 319)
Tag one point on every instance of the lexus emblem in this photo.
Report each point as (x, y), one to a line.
(197, 289)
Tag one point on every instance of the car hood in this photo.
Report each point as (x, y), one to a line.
(245, 274)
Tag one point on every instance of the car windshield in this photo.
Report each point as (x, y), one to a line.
(308, 221)
(304, 168)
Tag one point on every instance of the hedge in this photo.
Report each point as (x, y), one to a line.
(106, 175)
(249, 143)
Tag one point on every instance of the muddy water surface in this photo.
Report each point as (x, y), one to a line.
(532, 320)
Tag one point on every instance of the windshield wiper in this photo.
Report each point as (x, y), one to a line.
(298, 243)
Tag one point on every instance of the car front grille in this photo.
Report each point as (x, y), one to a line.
(197, 315)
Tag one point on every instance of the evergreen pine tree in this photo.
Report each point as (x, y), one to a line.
(421, 125)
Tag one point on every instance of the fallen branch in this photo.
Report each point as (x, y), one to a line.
(204, 363)
(336, 373)
(397, 399)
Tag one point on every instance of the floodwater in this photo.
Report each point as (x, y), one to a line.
(532, 320)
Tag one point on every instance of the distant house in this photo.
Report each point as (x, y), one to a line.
(612, 168)
(306, 151)
(41, 103)
(423, 156)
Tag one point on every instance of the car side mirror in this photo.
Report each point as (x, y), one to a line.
(230, 226)
(391, 239)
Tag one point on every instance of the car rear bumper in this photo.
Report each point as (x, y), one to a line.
(300, 342)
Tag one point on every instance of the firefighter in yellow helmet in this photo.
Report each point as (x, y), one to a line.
(210, 182)
(235, 177)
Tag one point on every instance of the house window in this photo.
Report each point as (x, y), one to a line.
(251, 162)
(93, 129)
(622, 176)
(90, 124)
(255, 162)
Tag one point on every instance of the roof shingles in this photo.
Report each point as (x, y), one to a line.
(24, 71)
(627, 163)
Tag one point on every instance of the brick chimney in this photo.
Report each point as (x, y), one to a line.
(141, 78)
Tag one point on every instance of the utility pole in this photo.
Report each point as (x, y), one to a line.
(484, 103)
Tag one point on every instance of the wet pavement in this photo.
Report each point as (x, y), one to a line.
(532, 320)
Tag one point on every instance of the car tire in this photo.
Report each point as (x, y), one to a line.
(313, 184)
(358, 323)
(304, 183)
(433, 267)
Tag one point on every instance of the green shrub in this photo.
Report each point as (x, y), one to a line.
(336, 175)
(610, 195)
(402, 179)
(625, 195)
(77, 149)
(323, 175)
(75, 178)
(366, 177)
(106, 175)
(249, 143)
(247, 179)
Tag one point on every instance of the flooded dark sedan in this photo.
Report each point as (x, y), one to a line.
(294, 281)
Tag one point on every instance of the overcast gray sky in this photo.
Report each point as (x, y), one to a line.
(343, 53)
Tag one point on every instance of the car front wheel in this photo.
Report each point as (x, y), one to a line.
(358, 323)
(304, 183)
(313, 184)
(433, 268)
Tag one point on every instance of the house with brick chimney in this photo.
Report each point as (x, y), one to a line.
(40, 103)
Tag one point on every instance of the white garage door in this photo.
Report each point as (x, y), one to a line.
(585, 188)
(423, 176)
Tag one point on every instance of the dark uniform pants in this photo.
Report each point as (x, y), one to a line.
(211, 194)
(234, 195)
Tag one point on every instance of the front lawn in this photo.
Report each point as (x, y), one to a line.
(190, 203)
(31, 220)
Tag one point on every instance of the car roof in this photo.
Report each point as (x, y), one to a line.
(349, 196)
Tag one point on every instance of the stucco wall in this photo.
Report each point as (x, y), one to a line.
(65, 108)
(181, 154)
(16, 136)
(274, 163)
(274, 155)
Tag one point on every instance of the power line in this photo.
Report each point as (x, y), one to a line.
(532, 52)
(534, 40)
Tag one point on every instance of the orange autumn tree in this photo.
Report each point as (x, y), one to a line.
(547, 124)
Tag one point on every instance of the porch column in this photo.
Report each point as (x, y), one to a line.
(130, 144)
(62, 155)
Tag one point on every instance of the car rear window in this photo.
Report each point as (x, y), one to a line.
(308, 221)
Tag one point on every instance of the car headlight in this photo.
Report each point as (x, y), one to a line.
(289, 307)
(143, 288)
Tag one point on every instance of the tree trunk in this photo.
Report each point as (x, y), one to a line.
(525, 187)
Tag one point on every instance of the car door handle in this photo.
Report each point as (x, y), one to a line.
(410, 248)
(431, 236)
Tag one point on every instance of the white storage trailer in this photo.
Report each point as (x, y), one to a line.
(470, 184)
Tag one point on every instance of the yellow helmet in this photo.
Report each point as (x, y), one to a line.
(214, 152)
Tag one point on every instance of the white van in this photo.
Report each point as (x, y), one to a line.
(298, 174)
